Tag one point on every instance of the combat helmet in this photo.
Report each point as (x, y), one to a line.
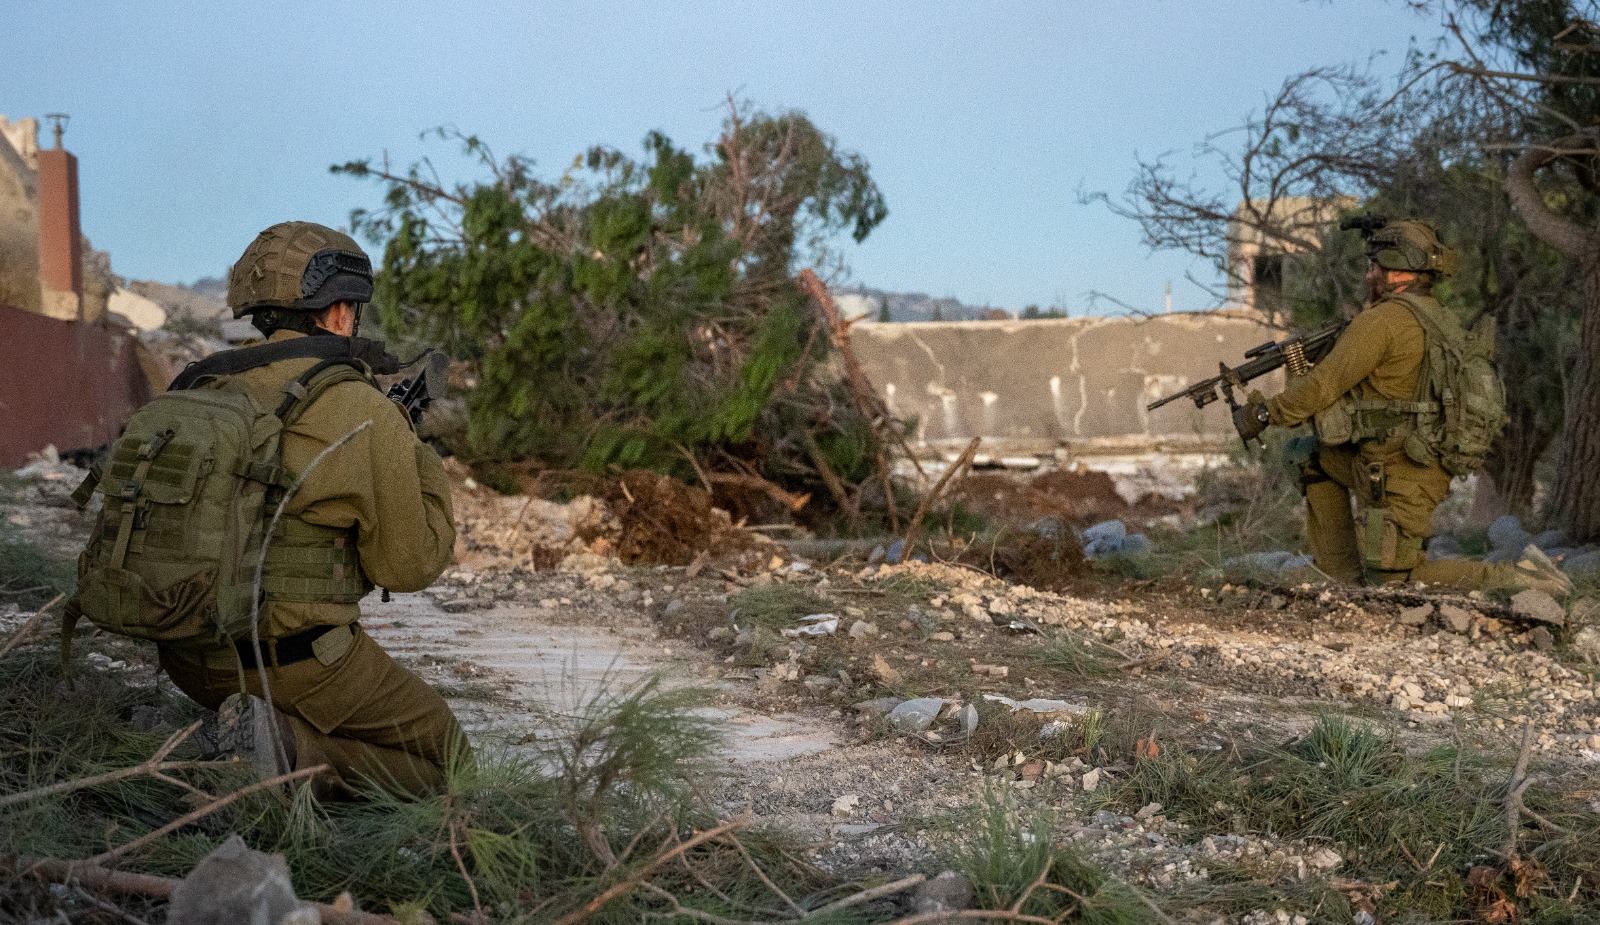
(299, 266)
(1411, 245)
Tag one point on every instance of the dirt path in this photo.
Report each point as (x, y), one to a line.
(502, 667)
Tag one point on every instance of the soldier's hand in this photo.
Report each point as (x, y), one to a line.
(1250, 418)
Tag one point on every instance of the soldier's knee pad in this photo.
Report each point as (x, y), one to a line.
(1387, 548)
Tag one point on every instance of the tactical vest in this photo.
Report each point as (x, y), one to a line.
(189, 490)
(1458, 410)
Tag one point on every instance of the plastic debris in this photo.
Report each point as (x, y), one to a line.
(916, 715)
(817, 624)
(1039, 705)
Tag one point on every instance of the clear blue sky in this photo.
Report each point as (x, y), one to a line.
(198, 124)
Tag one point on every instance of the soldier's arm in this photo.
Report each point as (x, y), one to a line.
(385, 482)
(1358, 352)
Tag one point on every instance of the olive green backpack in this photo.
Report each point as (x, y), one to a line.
(187, 490)
(1460, 376)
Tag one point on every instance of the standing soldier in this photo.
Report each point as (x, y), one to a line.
(1406, 399)
(363, 503)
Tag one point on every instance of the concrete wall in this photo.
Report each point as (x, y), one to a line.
(68, 383)
(1036, 384)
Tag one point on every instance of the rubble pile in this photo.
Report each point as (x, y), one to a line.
(637, 518)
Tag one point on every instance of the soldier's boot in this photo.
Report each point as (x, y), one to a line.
(250, 730)
(1536, 571)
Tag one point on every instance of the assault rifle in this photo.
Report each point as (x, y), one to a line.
(416, 393)
(1298, 353)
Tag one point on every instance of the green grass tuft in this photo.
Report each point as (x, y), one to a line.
(776, 606)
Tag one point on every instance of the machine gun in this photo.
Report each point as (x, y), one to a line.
(1298, 353)
(416, 393)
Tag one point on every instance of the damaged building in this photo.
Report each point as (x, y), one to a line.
(73, 367)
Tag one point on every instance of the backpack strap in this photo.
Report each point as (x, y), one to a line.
(321, 347)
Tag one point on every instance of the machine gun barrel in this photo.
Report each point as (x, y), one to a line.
(1300, 354)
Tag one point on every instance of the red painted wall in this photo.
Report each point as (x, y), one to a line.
(63, 382)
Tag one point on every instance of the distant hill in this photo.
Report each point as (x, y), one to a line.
(859, 301)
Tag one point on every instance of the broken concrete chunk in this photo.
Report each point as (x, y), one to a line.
(1416, 616)
(916, 715)
(1091, 780)
(1455, 619)
(1537, 605)
(236, 884)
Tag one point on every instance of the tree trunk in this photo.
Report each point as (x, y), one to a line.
(1575, 496)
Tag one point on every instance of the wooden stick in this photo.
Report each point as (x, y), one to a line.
(202, 812)
(118, 881)
(961, 462)
(155, 766)
(637, 877)
(788, 498)
(831, 479)
(877, 892)
(27, 628)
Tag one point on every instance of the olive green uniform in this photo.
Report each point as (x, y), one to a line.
(374, 511)
(1375, 366)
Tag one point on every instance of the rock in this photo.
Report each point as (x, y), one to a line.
(1091, 780)
(1551, 539)
(845, 806)
(879, 706)
(1136, 544)
(1586, 644)
(1541, 639)
(942, 636)
(969, 719)
(1455, 619)
(916, 715)
(1582, 565)
(236, 884)
(861, 629)
(1104, 538)
(884, 671)
(719, 633)
(1416, 616)
(1324, 859)
(948, 892)
(1401, 702)
(459, 605)
(1507, 533)
(1148, 810)
(1537, 605)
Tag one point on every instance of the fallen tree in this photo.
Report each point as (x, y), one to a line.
(646, 313)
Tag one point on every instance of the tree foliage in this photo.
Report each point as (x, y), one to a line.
(636, 311)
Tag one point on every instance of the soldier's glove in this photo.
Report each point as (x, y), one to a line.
(1250, 418)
